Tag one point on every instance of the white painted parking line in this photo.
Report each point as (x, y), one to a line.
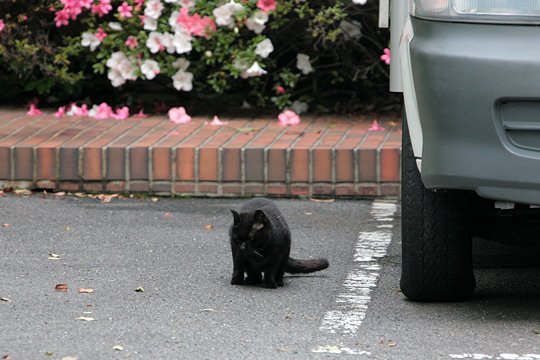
(352, 303)
(506, 356)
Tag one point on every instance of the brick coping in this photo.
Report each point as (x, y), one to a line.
(328, 156)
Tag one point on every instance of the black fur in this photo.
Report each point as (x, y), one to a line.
(261, 242)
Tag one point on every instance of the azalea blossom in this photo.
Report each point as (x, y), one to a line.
(102, 111)
(100, 34)
(386, 56)
(181, 42)
(288, 117)
(359, 2)
(375, 126)
(156, 42)
(150, 69)
(149, 23)
(140, 114)
(124, 10)
(303, 64)
(181, 63)
(121, 113)
(61, 112)
(183, 80)
(61, 18)
(34, 111)
(132, 42)
(267, 5)
(102, 8)
(179, 115)
(2, 25)
(254, 70)
(257, 22)
(121, 69)
(195, 24)
(280, 89)
(116, 26)
(75, 110)
(350, 29)
(217, 122)
(91, 40)
(264, 48)
(225, 13)
(153, 9)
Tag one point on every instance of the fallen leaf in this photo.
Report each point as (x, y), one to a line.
(536, 332)
(139, 289)
(85, 318)
(288, 350)
(22, 192)
(289, 316)
(85, 291)
(154, 199)
(61, 288)
(80, 195)
(392, 344)
(49, 353)
(6, 225)
(4, 299)
(332, 349)
(209, 227)
(67, 228)
(308, 213)
(69, 358)
(60, 193)
(167, 214)
(118, 348)
(322, 200)
(207, 310)
(107, 198)
(53, 256)
(6, 357)
(86, 312)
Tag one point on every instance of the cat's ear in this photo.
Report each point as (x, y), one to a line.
(259, 218)
(236, 217)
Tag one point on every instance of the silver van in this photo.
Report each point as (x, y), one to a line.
(469, 71)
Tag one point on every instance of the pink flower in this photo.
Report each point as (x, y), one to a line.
(121, 113)
(179, 116)
(132, 42)
(196, 24)
(125, 10)
(2, 25)
(34, 111)
(100, 34)
(386, 56)
(102, 111)
(280, 89)
(138, 4)
(267, 5)
(217, 122)
(288, 117)
(61, 18)
(79, 111)
(140, 115)
(103, 8)
(375, 126)
(61, 112)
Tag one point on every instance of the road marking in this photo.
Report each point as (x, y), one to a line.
(352, 303)
(332, 349)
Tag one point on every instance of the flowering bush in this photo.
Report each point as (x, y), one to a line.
(287, 52)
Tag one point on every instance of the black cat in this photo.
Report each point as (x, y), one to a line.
(261, 242)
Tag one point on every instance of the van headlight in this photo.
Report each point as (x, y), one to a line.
(493, 11)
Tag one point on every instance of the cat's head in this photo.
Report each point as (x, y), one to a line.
(249, 228)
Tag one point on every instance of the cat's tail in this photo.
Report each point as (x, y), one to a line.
(295, 266)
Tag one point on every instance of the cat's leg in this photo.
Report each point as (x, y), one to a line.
(281, 272)
(254, 276)
(270, 273)
(239, 264)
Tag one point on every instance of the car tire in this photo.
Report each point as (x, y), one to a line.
(436, 236)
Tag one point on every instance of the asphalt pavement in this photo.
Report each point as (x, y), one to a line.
(160, 270)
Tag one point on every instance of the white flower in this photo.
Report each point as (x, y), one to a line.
(121, 69)
(153, 9)
(182, 80)
(254, 70)
(240, 64)
(303, 64)
(181, 41)
(225, 13)
(187, 3)
(89, 39)
(175, 26)
(350, 29)
(150, 69)
(264, 48)
(257, 21)
(116, 26)
(171, 1)
(150, 24)
(299, 107)
(181, 64)
(359, 2)
(155, 42)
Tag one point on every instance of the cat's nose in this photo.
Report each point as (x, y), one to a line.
(243, 246)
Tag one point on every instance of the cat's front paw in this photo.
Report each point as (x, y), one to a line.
(253, 280)
(270, 284)
(237, 280)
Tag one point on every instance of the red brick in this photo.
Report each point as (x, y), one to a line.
(300, 156)
(24, 164)
(162, 187)
(299, 165)
(115, 186)
(232, 189)
(184, 188)
(231, 163)
(367, 165)
(390, 160)
(46, 163)
(254, 189)
(208, 188)
(161, 163)
(345, 190)
(92, 163)
(300, 189)
(277, 165)
(93, 187)
(254, 164)
(367, 190)
(139, 186)
(185, 163)
(138, 163)
(390, 190)
(344, 165)
(322, 189)
(46, 184)
(322, 165)
(69, 186)
(208, 164)
(276, 189)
